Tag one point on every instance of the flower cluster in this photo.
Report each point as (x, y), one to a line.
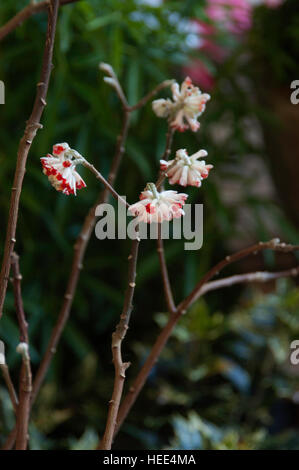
(157, 206)
(185, 170)
(187, 105)
(61, 169)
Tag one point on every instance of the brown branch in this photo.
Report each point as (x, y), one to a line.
(165, 156)
(11, 439)
(160, 245)
(25, 388)
(26, 13)
(117, 339)
(23, 412)
(163, 337)
(274, 245)
(164, 271)
(10, 386)
(113, 81)
(79, 252)
(119, 334)
(103, 180)
(260, 276)
(151, 94)
(33, 124)
(17, 278)
(78, 256)
(144, 372)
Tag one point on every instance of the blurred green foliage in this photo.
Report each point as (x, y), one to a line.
(225, 367)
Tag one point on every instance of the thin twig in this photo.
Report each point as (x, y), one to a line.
(144, 372)
(260, 276)
(77, 262)
(103, 180)
(160, 245)
(25, 388)
(164, 271)
(117, 339)
(164, 335)
(33, 124)
(122, 327)
(274, 245)
(26, 13)
(113, 81)
(17, 278)
(79, 252)
(151, 94)
(165, 156)
(10, 440)
(10, 386)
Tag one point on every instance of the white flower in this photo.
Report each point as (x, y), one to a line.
(162, 107)
(157, 206)
(185, 170)
(60, 169)
(187, 105)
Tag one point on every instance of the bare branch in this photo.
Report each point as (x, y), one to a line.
(33, 124)
(10, 386)
(113, 81)
(274, 245)
(164, 271)
(151, 94)
(77, 262)
(26, 13)
(107, 185)
(163, 337)
(23, 410)
(260, 276)
(79, 252)
(165, 156)
(117, 339)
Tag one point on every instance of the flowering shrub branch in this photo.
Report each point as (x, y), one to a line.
(202, 287)
(23, 409)
(10, 386)
(32, 126)
(117, 339)
(26, 13)
(156, 204)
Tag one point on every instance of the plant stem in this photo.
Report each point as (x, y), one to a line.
(80, 248)
(25, 388)
(117, 339)
(150, 95)
(260, 276)
(164, 335)
(78, 256)
(274, 245)
(164, 271)
(10, 386)
(33, 124)
(26, 13)
(108, 186)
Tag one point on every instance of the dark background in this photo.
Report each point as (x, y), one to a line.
(224, 380)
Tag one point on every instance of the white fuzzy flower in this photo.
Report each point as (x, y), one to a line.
(187, 105)
(157, 206)
(162, 107)
(185, 170)
(61, 171)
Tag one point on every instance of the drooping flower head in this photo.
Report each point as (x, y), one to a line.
(157, 206)
(185, 170)
(61, 169)
(187, 105)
